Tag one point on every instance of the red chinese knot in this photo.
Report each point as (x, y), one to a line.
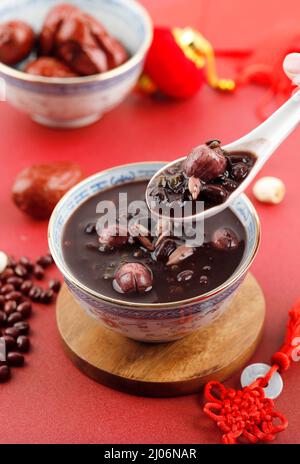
(247, 415)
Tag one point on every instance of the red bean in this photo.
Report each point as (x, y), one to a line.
(12, 332)
(4, 373)
(22, 327)
(35, 293)
(13, 318)
(2, 301)
(26, 287)
(3, 318)
(10, 307)
(44, 261)
(55, 285)
(8, 288)
(7, 273)
(15, 359)
(23, 343)
(21, 270)
(38, 272)
(47, 297)
(15, 281)
(10, 342)
(13, 296)
(26, 263)
(203, 280)
(25, 309)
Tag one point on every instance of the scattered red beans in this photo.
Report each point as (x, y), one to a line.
(17, 288)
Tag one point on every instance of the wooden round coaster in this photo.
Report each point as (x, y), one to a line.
(167, 369)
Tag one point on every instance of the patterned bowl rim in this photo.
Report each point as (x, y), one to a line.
(114, 301)
(105, 76)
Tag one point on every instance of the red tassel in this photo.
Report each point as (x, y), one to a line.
(247, 414)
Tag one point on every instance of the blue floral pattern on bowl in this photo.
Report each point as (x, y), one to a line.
(158, 322)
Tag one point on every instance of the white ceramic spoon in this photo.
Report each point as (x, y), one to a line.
(262, 141)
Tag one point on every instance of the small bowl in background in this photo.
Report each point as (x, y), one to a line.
(157, 322)
(79, 101)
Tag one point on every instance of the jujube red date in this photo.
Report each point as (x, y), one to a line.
(49, 67)
(38, 189)
(133, 277)
(16, 41)
(205, 163)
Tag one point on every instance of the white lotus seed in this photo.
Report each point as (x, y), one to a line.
(269, 190)
(3, 261)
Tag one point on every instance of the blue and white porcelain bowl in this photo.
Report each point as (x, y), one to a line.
(79, 101)
(148, 322)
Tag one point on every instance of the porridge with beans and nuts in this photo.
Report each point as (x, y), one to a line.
(133, 265)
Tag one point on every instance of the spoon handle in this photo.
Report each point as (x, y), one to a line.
(265, 138)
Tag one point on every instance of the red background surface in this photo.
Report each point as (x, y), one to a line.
(50, 400)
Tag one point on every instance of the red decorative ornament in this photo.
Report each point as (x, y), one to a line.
(247, 414)
(179, 62)
(263, 66)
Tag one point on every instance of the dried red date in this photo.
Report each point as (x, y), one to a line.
(133, 277)
(16, 41)
(225, 239)
(38, 188)
(80, 41)
(49, 67)
(205, 163)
